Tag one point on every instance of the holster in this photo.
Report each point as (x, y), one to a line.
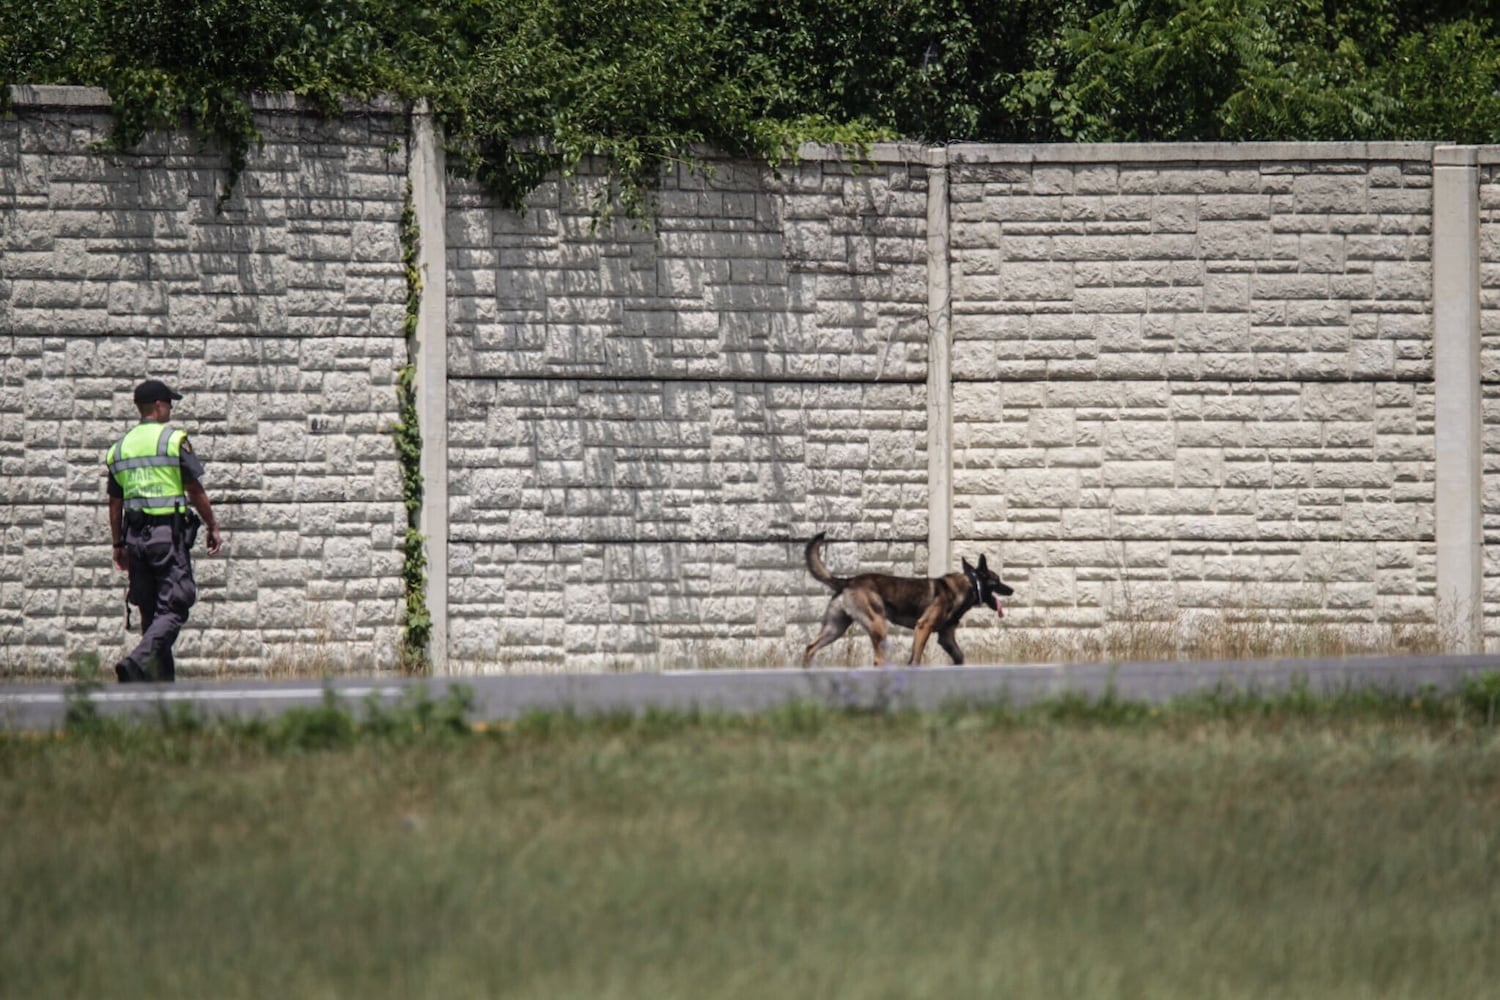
(191, 522)
(185, 524)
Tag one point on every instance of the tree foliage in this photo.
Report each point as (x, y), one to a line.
(525, 89)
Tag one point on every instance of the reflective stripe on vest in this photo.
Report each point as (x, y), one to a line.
(149, 472)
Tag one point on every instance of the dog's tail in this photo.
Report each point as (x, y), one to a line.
(814, 556)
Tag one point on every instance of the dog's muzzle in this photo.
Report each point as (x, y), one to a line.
(992, 595)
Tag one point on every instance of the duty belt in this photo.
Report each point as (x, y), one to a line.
(136, 519)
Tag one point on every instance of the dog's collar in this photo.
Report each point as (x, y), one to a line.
(976, 590)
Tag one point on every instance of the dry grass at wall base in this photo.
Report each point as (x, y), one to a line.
(1244, 632)
(1024, 636)
(685, 655)
(1235, 634)
(317, 656)
(13, 665)
(1027, 636)
(311, 650)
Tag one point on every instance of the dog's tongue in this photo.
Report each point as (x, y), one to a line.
(996, 605)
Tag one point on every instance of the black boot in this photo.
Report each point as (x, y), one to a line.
(128, 673)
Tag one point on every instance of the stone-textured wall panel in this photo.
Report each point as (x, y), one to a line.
(1489, 330)
(280, 319)
(1106, 500)
(1197, 387)
(647, 422)
(607, 523)
(1273, 270)
(1141, 460)
(1490, 510)
(541, 461)
(818, 274)
(1489, 271)
(669, 604)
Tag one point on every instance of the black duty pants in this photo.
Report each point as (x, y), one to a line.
(161, 585)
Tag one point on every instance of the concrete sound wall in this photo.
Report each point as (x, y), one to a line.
(1146, 380)
(1197, 378)
(645, 424)
(279, 318)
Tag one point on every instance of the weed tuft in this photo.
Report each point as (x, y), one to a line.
(1481, 695)
(177, 729)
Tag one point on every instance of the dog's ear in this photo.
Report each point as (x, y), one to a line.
(967, 567)
(982, 567)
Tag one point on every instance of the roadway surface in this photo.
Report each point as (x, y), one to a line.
(42, 707)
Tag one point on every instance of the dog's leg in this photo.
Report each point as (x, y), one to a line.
(880, 639)
(929, 621)
(918, 643)
(835, 624)
(868, 612)
(949, 641)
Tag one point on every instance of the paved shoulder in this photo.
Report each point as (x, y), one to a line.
(43, 707)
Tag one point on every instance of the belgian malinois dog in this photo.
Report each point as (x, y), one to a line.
(875, 601)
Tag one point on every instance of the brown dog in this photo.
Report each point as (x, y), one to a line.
(874, 600)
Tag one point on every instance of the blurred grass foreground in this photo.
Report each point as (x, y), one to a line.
(1220, 847)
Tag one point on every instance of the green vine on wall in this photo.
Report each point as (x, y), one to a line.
(408, 436)
(528, 91)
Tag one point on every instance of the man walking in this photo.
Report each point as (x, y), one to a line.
(153, 478)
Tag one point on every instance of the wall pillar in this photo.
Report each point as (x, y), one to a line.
(939, 370)
(1455, 322)
(429, 201)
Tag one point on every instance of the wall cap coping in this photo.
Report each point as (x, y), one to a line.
(1185, 152)
(73, 98)
(27, 95)
(64, 97)
(1455, 156)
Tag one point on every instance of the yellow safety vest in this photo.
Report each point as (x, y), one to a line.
(147, 463)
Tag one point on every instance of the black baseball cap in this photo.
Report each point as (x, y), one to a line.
(153, 391)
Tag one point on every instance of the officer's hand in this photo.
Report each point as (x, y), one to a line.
(215, 541)
(122, 559)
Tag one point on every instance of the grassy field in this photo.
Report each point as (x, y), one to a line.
(1214, 849)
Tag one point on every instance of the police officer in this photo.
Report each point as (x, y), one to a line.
(154, 478)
